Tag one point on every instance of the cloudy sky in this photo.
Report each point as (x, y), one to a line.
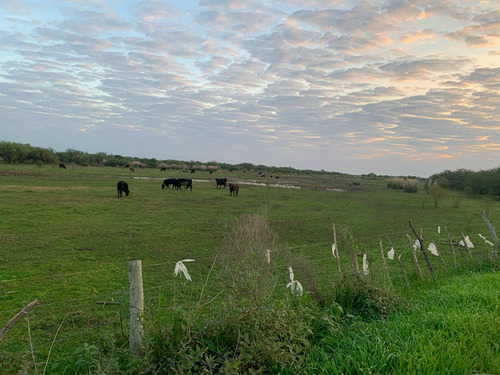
(404, 87)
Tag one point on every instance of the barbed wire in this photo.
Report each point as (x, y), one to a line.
(113, 267)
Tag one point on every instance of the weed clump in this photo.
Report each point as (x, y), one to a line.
(257, 326)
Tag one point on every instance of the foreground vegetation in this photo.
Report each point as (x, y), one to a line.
(66, 240)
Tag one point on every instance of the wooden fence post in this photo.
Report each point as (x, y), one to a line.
(383, 262)
(338, 253)
(492, 232)
(452, 248)
(421, 242)
(490, 227)
(18, 316)
(136, 306)
(414, 257)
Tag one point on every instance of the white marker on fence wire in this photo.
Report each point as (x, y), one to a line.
(433, 249)
(485, 240)
(467, 242)
(439, 230)
(268, 255)
(365, 265)
(334, 250)
(295, 287)
(416, 245)
(390, 254)
(179, 266)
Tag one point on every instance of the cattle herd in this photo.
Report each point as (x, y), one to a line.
(178, 183)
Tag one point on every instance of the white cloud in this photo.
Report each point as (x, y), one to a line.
(293, 83)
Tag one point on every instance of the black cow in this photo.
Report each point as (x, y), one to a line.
(233, 189)
(163, 169)
(166, 183)
(122, 187)
(221, 182)
(180, 182)
(61, 165)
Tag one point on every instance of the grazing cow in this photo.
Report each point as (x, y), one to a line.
(166, 183)
(180, 182)
(221, 182)
(122, 187)
(163, 169)
(193, 171)
(132, 169)
(61, 165)
(233, 189)
(210, 172)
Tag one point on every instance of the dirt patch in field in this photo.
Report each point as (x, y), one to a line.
(42, 188)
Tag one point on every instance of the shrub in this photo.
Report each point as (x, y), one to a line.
(255, 327)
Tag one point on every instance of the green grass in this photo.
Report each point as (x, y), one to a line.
(65, 239)
(453, 328)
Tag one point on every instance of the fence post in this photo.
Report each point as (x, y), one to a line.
(421, 242)
(452, 248)
(383, 262)
(490, 227)
(136, 306)
(338, 252)
(414, 257)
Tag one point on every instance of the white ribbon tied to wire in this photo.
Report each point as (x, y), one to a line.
(390, 254)
(335, 251)
(433, 249)
(180, 267)
(467, 241)
(294, 285)
(365, 264)
(485, 240)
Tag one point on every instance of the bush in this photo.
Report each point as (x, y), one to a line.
(255, 328)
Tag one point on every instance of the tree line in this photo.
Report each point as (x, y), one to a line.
(18, 153)
(472, 182)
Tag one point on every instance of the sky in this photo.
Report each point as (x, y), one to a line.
(404, 87)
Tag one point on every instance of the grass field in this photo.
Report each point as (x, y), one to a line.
(66, 239)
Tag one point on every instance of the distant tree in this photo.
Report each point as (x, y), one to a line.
(246, 166)
(40, 156)
(13, 152)
(436, 192)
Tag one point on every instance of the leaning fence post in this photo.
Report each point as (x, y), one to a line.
(136, 306)
(421, 242)
(490, 227)
(18, 316)
(492, 231)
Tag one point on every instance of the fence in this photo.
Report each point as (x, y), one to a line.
(394, 258)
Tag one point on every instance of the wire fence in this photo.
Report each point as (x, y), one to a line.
(107, 307)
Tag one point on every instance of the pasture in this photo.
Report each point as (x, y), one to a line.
(65, 239)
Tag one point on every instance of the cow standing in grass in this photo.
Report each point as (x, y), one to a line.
(167, 182)
(180, 182)
(234, 189)
(221, 182)
(122, 187)
(61, 165)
